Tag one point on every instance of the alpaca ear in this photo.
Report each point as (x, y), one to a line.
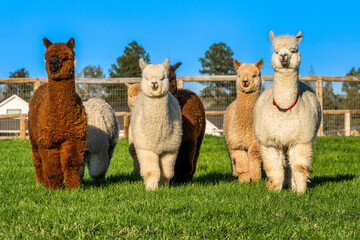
(298, 37)
(47, 43)
(142, 64)
(166, 64)
(272, 36)
(174, 67)
(237, 64)
(128, 84)
(259, 64)
(71, 43)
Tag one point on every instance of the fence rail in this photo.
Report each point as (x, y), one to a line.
(180, 81)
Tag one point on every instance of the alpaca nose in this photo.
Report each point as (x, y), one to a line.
(245, 82)
(54, 64)
(155, 85)
(283, 56)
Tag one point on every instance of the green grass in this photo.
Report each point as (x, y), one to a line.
(214, 206)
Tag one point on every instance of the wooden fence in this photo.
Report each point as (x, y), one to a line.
(180, 82)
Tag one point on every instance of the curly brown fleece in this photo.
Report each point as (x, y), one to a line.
(193, 126)
(57, 121)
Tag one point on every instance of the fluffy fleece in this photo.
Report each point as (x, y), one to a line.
(156, 126)
(193, 127)
(286, 137)
(244, 151)
(57, 121)
(101, 138)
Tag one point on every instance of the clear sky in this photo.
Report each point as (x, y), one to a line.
(180, 30)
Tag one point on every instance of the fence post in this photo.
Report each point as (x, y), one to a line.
(126, 126)
(180, 84)
(37, 84)
(22, 127)
(347, 124)
(319, 94)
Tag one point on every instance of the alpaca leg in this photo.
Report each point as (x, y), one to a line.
(37, 164)
(242, 165)
(82, 169)
(51, 167)
(255, 161)
(72, 159)
(149, 168)
(184, 163)
(167, 166)
(273, 164)
(133, 155)
(300, 159)
(197, 149)
(233, 165)
(98, 165)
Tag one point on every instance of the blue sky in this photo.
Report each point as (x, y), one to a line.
(180, 30)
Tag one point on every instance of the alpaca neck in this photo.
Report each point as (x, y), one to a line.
(245, 103)
(62, 92)
(286, 87)
(156, 109)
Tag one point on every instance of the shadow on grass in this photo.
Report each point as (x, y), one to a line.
(321, 180)
(213, 178)
(113, 179)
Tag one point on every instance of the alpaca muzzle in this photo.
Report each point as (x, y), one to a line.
(154, 85)
(54, 65)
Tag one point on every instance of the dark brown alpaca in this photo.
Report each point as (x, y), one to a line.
(57, 121)
(193, 125)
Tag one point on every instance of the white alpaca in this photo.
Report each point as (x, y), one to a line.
(156, 126)
(287, 116)
(101, 138)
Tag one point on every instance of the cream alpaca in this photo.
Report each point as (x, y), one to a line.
(156, 126)
(243, 148)
(101, 138)
(287, 116)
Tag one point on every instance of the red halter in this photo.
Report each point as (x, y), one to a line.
(284, 109)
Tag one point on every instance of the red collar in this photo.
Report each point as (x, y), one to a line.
(285, 109)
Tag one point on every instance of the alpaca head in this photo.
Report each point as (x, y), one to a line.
(248, 76)
(59, 59)
(133, 91)
(172, 78)
(155, 80)
(286, 53)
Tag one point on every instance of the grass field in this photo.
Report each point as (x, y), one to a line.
(214, 206)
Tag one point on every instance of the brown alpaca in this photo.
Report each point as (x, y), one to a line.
(243, 148)
(57, 121)
(193, 126)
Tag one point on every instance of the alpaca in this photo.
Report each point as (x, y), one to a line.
(193, 127)
(57, 121)
(133, 91)
(156, 126)
(287, 116)
(244, 150)
(101, 138)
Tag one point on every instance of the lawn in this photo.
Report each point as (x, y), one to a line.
(214, 206)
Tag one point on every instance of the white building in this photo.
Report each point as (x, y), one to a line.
(14, 105)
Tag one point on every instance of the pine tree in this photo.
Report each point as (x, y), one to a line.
(127, 65)
(218, 60)
(90, 90)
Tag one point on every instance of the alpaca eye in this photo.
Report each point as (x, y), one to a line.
(294, 51)
(276, 52)
(254, 76)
